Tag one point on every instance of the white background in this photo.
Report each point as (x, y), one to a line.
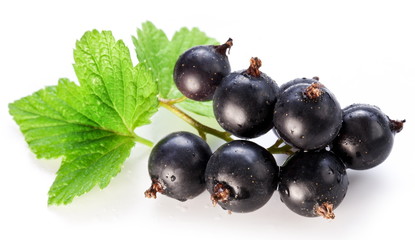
(364, 51)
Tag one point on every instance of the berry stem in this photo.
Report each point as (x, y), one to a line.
(276, 149)
(201, 128)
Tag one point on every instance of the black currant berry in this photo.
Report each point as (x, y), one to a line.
(244, 102)
(177, 166)
(199, 70)
(307, 115)
(298, 81)
(313, 183)
(366, 137)
(241, 176)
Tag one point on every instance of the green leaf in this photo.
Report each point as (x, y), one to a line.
(149, 45)
(91, 125)
(79, 173)
(159, 54)
(104, 69)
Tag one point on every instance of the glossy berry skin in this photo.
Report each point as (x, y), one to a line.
(366, 137)
(243, 104)
(307, 115)
(246, 172)
(313, 180)
(199, 70)
(177, 166)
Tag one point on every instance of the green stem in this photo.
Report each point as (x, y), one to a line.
(201, 128)
(143, 140)
(173, 101)
(276, 149)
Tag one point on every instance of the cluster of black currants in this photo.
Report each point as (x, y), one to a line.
(241, 176)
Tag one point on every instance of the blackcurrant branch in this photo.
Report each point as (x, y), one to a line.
(172, 101)
(143, 140)
(276, 149)
(201, 128)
